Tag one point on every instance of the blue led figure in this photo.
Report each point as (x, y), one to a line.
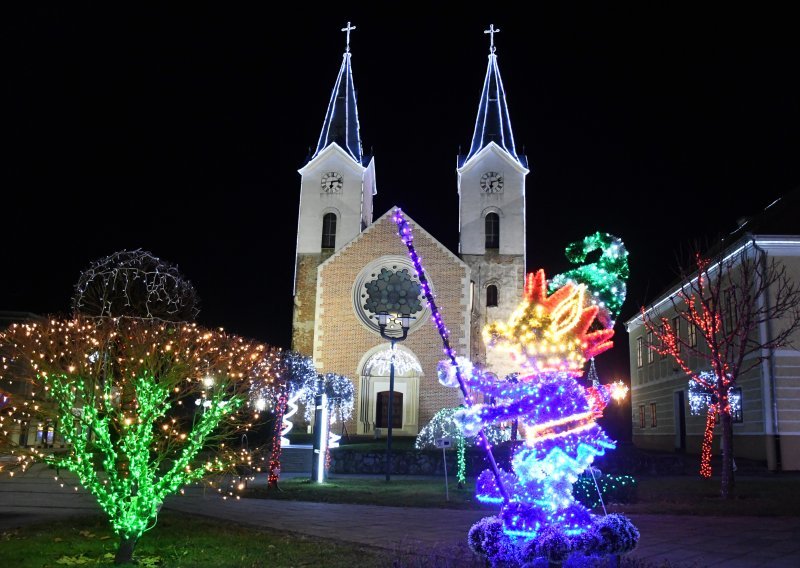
(544, 347)
(548, 339)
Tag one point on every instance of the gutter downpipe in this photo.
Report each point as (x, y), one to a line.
(771, 427)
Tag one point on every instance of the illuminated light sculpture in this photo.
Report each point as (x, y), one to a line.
(322, 452)
(380, 363)
(444, 425)
(619, 391)
(339, 394)
(295, 371)
(406, 235)
(605, 278)
(299, 381)
(546, 343)
(286, 422)
(702, 397)
(547, 340)
(546, 334)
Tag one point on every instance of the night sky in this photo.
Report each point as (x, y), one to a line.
(180, 131)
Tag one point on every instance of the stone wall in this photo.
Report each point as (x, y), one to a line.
(625, 460)
(404, 462)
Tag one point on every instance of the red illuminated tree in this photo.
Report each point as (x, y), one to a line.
(737, 309)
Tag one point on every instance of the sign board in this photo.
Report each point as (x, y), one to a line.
(443, 442)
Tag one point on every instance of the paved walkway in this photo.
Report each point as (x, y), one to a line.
(681, 540)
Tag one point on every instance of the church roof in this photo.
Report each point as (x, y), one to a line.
(493, 123)
(341, 120)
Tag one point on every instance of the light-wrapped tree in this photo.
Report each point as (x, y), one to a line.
(147, 403)
(145, 406)
(738, 309)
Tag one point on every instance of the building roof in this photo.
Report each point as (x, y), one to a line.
(493, 123)
(775, 225)
(341, 120)
(780, 217)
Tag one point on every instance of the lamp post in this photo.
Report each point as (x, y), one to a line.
(405, 322)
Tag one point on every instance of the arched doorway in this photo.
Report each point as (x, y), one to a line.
(373, 392)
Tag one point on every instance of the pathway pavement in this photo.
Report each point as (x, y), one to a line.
(684, 541)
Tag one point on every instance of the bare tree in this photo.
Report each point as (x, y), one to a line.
(739, 306)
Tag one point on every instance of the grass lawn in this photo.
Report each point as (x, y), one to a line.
(765, 496)
(689, 495)
(374, 491)
(182, 541)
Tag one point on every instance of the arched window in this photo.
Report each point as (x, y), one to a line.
(491, 296)
(492, 231)
(329, 231)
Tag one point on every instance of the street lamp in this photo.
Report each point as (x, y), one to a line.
(405, 322)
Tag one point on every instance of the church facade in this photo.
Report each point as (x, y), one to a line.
(350, 268)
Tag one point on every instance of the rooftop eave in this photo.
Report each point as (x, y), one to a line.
(788, 245)
(325, 153)
(498, 150)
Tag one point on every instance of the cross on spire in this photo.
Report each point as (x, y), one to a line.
(491, 31)
(347, 29)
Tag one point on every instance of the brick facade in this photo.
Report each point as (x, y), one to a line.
(341, 339)
(305, 301)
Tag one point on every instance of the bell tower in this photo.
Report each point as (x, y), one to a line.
(336, 189)
(491, 190)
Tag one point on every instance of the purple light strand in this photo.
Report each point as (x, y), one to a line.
(404, 230)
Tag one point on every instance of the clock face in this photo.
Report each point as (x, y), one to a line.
(332, 182)
(492, 182)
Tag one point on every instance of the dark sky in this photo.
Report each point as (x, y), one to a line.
(180, 130)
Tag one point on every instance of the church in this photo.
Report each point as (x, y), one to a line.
(351, 265)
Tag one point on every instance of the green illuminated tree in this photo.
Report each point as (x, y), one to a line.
(145, 405)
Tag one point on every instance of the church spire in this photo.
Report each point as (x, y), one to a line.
(341, 120)
(493, 123)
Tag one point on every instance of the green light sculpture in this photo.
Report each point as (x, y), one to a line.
(604, 278)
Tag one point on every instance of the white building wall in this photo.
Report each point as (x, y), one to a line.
(347, 204)
(474, 203)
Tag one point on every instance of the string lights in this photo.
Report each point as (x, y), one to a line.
(444, 425)
(546, 340)
(135, 283)
(546, 333)
(406, 235)
(605, 278)
(124, 411)
(544, 346)
(294, 371)
(299, 381)
(703, 396)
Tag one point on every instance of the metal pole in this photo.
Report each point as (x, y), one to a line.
(446, 488)
(390, 418)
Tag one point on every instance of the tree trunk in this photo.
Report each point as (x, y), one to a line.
(708, 439)
(125, 551)
(275, 455)
(728, 483)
